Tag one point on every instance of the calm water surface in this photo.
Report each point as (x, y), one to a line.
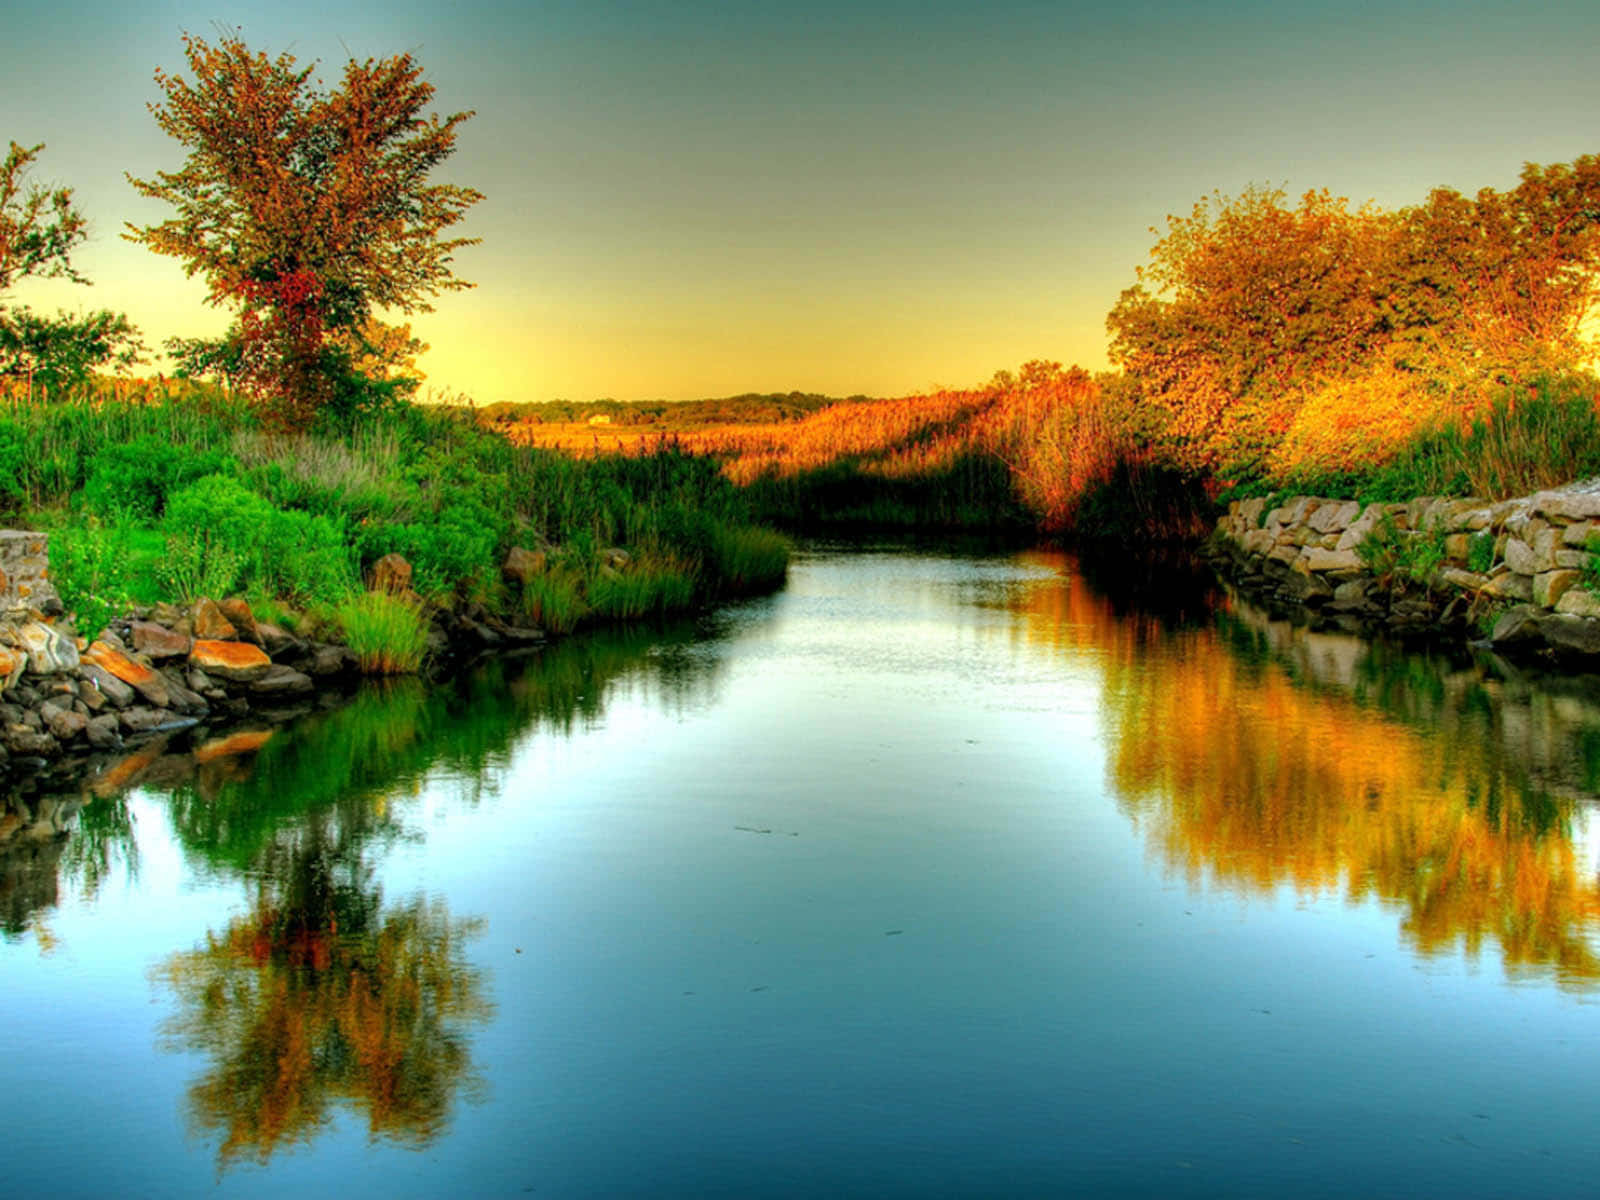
(934, 874)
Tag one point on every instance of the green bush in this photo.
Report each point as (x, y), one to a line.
(131, 480)
(217, 523)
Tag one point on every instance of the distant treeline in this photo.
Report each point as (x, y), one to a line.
(744, 409)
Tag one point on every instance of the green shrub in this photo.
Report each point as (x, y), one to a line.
(88, 564)
(131, 480)
(223, 536)
(388, 634)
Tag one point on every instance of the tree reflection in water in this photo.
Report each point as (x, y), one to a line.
(323, 995)
(1255, 755)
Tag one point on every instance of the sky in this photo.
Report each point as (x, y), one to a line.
(701, 199)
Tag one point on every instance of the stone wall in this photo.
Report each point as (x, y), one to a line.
(1530, 556)
(25, 573)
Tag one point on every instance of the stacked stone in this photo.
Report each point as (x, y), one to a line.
(1305, 552)
(160, 669)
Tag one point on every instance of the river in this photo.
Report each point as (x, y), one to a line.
(937, 873)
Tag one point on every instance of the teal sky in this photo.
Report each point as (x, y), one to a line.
(700, 199)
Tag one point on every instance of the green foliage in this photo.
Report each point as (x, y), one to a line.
(90, 565)
(1388, 551)
(217, 520)
(131, 480)
(650, 586)
(1591, 568)
(747, 558)
(553, 601)
(1480, 552)
(388, 634)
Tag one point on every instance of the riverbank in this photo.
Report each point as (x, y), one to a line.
(1517, 574)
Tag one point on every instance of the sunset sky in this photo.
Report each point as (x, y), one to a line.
(701, 199)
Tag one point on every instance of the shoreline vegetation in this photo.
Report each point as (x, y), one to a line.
(1269, 348)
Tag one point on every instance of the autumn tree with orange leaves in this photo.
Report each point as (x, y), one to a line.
(307, 211)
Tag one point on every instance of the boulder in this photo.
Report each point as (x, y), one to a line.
(107, 684)
(50, 652)
(1318, 559)
(276, 640)
(237, 661)
(279, 680)
(1519, 624)
(1550, 586)
(326, 661)
(1520, 557)
(237, 610)
(1509, 585)
(1579, 603)
(23, 739)
(135, 674)
(64, 724)
(142, 719)
(1571, 634)
(522, 565)
(1568, 505)
(102, 732)
(210, 624)
(391, 574)
(1577, 535)
(158, 641)
(13, 663)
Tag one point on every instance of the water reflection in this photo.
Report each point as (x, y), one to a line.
(1254, 754)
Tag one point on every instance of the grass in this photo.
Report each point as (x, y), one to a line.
(388, 634)
(178, 493)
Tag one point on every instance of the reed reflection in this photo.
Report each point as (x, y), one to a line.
(1255, 755)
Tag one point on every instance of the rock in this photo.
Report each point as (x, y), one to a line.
(158, 641)
(50, 652)
(141, 719)
(1550, 586)
(168, 615)
(1467, 581)
(236, 661)
(1521, 558)
(1577, 535)
(237, 610)
(1258, 541)
(276, 640)
(13, 663)
(209, 623)
(1568, 505)
(325, 661)
(481, 633)
(1579, 603)
(1335, 516)
(1282, 554)
(1572, 560)
(198, 680)
(23, 739)
(522, 565)
(181, 698)
(1318, 559)
(1571, 634)
(1519, 624)
(90, 696)
(136, 675)
(107, 684)
(391, 574)
(102, 732)
(64, 725)
(1509, 585)
(279, 680)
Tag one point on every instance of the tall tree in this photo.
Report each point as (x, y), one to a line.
(305, 210)
(40, 227)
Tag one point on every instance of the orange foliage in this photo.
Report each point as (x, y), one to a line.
(1051, 427)
(1244, 776)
